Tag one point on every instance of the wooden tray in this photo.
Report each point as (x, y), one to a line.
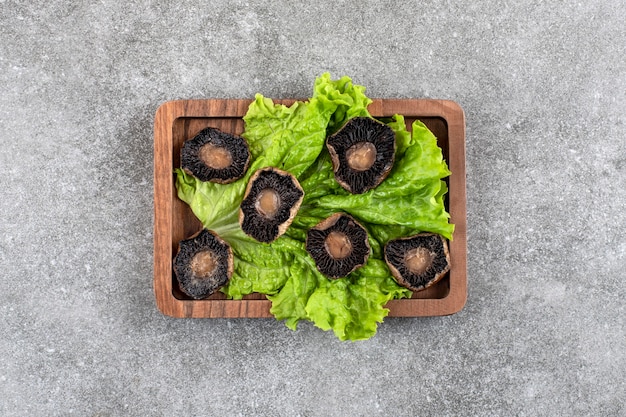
(177, 121)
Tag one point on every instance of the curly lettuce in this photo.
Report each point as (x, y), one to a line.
(292, 138)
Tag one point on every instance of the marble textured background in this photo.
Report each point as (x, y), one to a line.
(543, 86)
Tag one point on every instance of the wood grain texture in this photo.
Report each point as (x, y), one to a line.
(177, 121)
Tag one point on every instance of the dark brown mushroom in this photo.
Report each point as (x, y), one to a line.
(338, 245)
(270, 203)
(363, 152)
(216, 156)
(203, 264)
(418, 261)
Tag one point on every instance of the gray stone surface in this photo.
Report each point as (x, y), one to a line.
(543, 85)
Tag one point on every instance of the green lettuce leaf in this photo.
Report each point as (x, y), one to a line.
(349, 99)
(289, 304)
(412, 196)
(292, 138)
(289, 138)
(419, 161)
(215, 205)
(260, 268)
(352, 307)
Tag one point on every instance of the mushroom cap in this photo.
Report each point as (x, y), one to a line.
(216, 156)
(419, 261)
(203, 264)
(363, 153)
(270, 203)
(338, 245)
